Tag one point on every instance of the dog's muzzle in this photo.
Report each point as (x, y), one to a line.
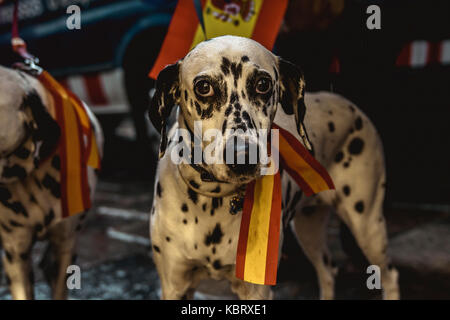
(241, 156)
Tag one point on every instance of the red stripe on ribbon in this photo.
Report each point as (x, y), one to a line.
(304, 153)
(297, 178)
(243, 234)
(274, 233)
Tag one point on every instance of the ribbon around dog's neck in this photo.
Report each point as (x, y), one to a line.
(258, 245)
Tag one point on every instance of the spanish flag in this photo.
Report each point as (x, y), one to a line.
(77, 147)
(258, 245)
(256, 19)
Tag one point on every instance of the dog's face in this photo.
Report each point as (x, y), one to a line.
(233, 85)
(23, 116)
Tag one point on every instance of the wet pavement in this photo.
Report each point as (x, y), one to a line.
(115, 257)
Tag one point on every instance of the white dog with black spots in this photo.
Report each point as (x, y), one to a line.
(235, 83)
(30, 196)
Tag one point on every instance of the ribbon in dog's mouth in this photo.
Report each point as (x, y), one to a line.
(258, 245)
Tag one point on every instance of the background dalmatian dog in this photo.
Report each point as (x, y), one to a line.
(30, 207)
(233, 82)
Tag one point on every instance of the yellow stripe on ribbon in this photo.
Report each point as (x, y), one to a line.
(298, 164)
(258, 235)
(73, 157)
(258, 245)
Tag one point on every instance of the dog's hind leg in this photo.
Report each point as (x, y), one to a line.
(17, 262)
(309, 226)
(371, 235)
(359, 203)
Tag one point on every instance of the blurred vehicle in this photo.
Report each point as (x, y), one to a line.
(106, 61)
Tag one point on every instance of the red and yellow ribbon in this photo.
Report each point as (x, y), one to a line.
(77, 147)
(258, 245)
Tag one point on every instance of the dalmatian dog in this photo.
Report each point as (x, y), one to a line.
(235, 83)
(30, 207)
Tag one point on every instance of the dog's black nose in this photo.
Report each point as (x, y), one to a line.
(241, 157)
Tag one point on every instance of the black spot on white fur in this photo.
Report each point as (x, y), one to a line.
(339, 156)
(5, 228)
(56, 162)
(158, 189)
(22, 153)
(5, 194)
(49, 217)
(331, 126)
(358, 123)
(14, 171)
(225, 66)
(8, 256)
(217, 264)
(356, 146)
(192, 195)
(359, 206)
(346, 190)
(214, 237)
(156, 248)
(51, 184)
(14, 223)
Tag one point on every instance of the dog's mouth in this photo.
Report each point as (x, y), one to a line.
(241, 156)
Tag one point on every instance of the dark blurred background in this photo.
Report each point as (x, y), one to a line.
(399, 75)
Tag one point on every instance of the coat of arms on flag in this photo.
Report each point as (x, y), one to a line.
(256, 19)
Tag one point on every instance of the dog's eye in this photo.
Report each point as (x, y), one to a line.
(263, 85)
(204, 88)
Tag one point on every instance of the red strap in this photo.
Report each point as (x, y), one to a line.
(17, 42)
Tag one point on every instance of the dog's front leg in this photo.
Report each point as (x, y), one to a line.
(250, 291)
(62, 239)
(17, 262)
(175, 274)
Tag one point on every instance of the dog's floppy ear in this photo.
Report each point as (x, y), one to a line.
(167, 94)
(292, 96)
(47, 130)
